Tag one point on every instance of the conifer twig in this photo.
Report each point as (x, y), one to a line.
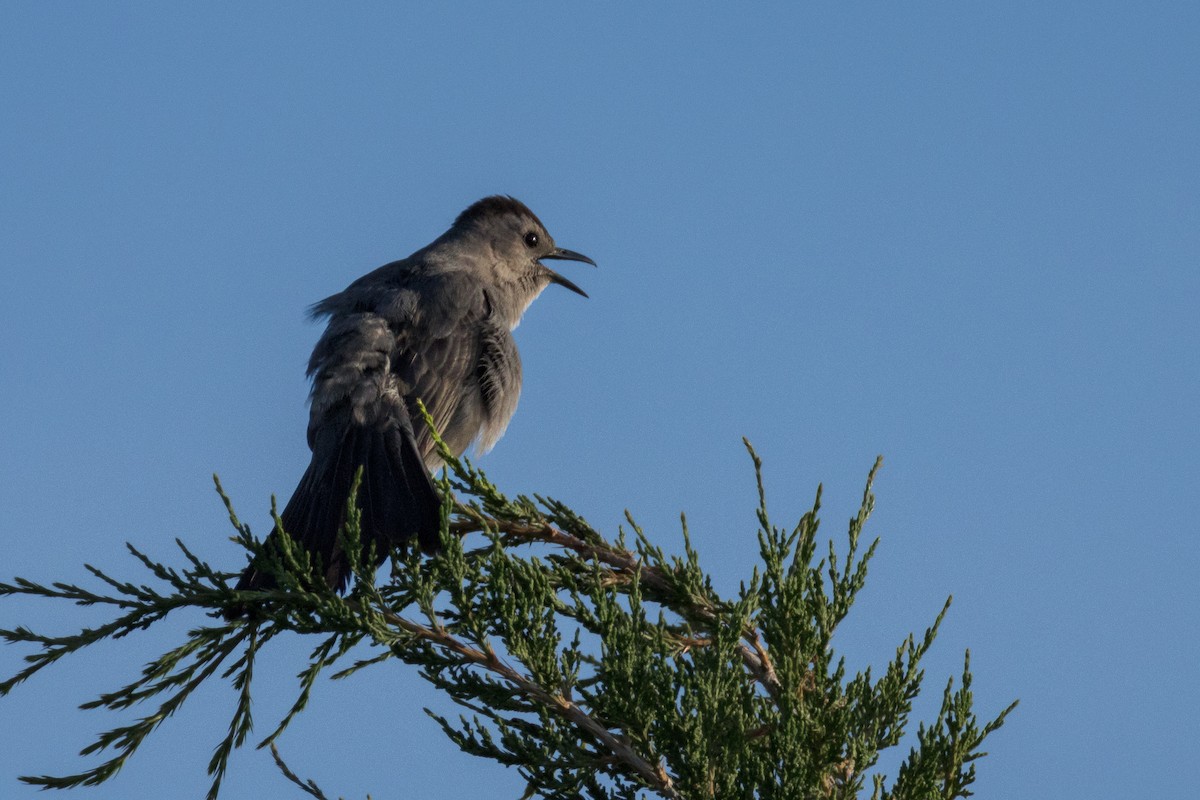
(655, 777)
(753, 652)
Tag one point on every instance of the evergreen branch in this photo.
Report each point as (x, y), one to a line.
(323, 656)
(309, 787)
(654, 777)
(241, 722)
(126, 739)
(626, 565)
(601, 671)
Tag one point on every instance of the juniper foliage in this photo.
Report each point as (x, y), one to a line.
(598, 669)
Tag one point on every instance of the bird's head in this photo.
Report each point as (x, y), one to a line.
(517, 242)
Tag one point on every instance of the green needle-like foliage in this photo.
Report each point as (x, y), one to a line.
(597, 669)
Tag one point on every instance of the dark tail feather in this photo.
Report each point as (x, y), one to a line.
(425, 512)
(397, 498)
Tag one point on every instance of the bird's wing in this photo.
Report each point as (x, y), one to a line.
(437, 361)
(359, 419)
(351, 367)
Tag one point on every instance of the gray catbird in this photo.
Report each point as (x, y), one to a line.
(433, 327)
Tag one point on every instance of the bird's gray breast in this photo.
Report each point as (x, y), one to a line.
(499, 376)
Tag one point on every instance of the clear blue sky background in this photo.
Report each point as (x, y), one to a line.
(964, 236)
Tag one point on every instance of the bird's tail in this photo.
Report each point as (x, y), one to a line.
(397, 499)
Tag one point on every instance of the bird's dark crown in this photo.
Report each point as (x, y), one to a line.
(494, 206)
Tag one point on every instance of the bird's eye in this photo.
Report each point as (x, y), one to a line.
(531, 239)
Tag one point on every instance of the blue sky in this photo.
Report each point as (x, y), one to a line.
(964, 237)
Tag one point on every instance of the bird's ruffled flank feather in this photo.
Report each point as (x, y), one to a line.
(490, 206)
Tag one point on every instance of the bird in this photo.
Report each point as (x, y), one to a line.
(435, 328)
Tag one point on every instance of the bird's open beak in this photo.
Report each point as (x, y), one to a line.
(562, 254)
